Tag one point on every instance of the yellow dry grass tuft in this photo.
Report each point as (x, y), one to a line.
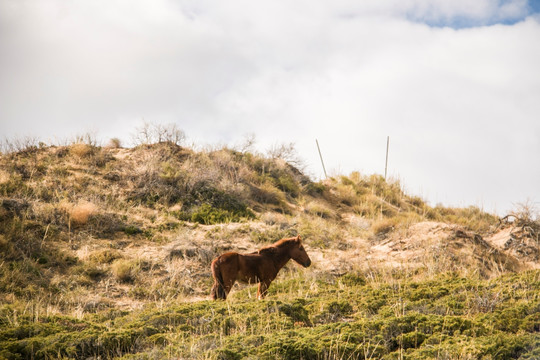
(126, 271)
(114, 143)
(81, 213)
(320, 209)
(80, 150)
(4, 177)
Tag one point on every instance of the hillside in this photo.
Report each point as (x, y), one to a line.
(105, 253)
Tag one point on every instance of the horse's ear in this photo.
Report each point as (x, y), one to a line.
(298, 239)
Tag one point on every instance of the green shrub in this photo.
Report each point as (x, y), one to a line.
(105, 256)
(296, 312)
(334, 311)
(267, 194)
(132, 230)
(315, 189)
(209, 205)
(329, 321)
(288, 184)
(352, 279)
(208, 215)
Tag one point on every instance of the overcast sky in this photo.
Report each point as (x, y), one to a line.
(454, 83)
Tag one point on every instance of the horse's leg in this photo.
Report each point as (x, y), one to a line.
(221, 289)
(228, 286)
(222, 281)
(263, 289)
(218, 291)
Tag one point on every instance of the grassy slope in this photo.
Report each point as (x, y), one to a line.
(446, 317)
(104, 252)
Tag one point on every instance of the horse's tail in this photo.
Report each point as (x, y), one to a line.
(218, 290)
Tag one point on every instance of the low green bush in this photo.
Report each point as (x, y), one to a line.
(336, 318)
(209, 215)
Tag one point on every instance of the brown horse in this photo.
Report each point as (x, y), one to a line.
(260, 266)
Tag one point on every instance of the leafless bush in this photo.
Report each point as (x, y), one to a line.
(16, 145)
(88, 138)
(143, 134)
(170, 133)
(149, 133)
(286, 152)
(247, 144)
(525, 213)
(526, 220)
(526, 216)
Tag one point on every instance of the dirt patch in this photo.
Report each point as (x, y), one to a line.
(442, 247)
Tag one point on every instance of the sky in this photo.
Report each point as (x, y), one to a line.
(454, 84)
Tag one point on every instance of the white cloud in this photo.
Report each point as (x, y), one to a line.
(460, 105)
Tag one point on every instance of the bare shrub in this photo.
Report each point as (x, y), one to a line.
(88, 138)
(173, 134)
(247, 144)
(525, 214)
(143, 134)
(525, 237)
(286, 152)
(149, 133)
(17, 145)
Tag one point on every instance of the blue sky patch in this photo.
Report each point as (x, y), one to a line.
(496, 16)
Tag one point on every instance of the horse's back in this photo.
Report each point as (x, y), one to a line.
(226, 259)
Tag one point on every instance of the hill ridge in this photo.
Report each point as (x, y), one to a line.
(109, 249)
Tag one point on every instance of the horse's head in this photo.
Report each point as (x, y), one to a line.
(298, 252)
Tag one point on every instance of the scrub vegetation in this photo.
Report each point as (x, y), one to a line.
(105, 254)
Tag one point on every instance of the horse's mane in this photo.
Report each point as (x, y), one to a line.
(271, 249)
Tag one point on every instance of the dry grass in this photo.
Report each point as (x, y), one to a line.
(402, 220)
(321, 233)
(4, 176)
(151, 189)
(81, 150)
(105, 256)
(384, 226)
(268, 194)
(114, 143)
(320, 209)
(126, 271)
(81, 213)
